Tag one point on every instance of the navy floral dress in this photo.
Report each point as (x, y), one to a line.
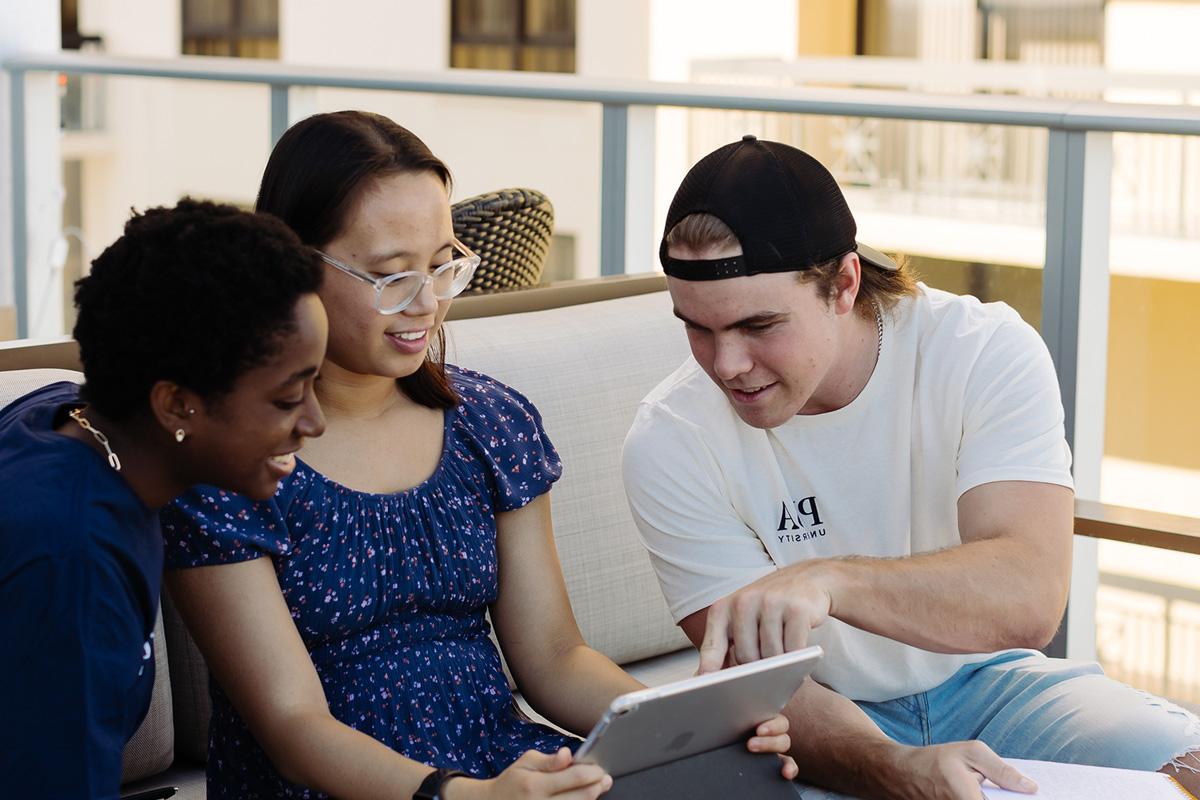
(389, 593)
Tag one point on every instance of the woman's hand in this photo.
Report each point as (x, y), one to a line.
(772, 737)
(535, 775)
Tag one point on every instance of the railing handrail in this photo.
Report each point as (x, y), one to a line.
(852, 102)
(975, 74)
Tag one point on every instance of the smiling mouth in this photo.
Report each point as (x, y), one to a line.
(284, 459)
(750, 393)
(410, 336)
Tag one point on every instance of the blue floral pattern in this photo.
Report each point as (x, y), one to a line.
(388, 592)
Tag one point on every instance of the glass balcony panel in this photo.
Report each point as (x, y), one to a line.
(964, 203)
(1152, 431)
(1148, 626)
(162, 139)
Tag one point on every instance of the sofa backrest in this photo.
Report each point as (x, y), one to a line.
(152, 748)
(586, 367)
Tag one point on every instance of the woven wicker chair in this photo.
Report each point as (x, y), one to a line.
(510, 231)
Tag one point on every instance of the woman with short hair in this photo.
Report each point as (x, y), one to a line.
(200, 333)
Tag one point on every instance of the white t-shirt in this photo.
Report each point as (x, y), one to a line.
(963, 394)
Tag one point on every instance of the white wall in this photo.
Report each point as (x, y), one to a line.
(168, 138)
(1152, 37)
(163, 138)
(33, 28)
(380, 34)
(1149, 36)
(489, 144)
(612, 38)
(683, 31)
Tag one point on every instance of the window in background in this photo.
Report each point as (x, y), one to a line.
(1028, 31)
(535, 35)
(1047, 32)
(243, 28)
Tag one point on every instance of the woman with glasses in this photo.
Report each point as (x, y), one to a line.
(344, 621)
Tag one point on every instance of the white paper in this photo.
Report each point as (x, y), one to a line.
(1079, 782)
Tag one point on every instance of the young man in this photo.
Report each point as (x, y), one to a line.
(855, 460)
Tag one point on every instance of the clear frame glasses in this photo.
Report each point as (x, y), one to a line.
(394, 293)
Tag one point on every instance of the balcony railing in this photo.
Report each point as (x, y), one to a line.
(944, 168)
(1077, 178)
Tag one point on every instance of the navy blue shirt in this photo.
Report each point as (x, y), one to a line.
(80, 568)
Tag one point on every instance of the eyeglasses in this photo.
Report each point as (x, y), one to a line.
(394, 293)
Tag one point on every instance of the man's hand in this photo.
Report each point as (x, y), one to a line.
(770, 616)
(948, 772)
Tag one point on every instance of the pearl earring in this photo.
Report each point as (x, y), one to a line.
(180, 434)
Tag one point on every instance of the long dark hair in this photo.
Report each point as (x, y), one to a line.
(315, 175)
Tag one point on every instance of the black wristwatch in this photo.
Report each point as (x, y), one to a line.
(431, 787)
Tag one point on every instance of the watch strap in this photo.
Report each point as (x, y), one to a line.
(431, 787)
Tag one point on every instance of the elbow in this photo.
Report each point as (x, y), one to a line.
(1034, 635)
(286, 760)
(289, 770)
(285, 742)
(1034, 625)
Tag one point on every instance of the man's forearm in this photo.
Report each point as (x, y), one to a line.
(836, 745)
(977, 597)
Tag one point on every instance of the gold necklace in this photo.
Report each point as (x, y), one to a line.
(113, 461)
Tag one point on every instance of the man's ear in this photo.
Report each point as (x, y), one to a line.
(847, 283)
(173, 407)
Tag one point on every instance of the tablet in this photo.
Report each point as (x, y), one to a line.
(655, 726)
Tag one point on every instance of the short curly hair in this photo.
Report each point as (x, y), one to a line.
(196, 294)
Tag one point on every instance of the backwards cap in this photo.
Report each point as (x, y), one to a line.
(784, 207)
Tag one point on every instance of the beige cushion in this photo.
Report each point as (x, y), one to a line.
(18, 382)
(152, 747)
(189, 683)
(586, 368)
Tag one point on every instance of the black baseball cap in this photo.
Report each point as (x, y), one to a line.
(786, 210)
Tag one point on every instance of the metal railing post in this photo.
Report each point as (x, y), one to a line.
(1074, 311)
(20, 215)
(614, 165)
(279, 111)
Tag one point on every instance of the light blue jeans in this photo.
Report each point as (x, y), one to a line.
(1024, 705)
